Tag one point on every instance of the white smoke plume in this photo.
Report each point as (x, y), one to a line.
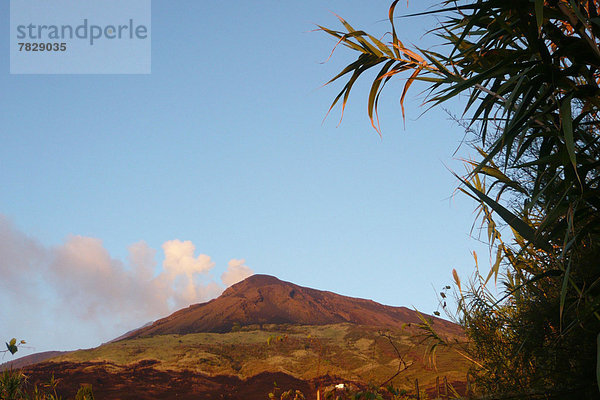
(236, 271)
(51, 290)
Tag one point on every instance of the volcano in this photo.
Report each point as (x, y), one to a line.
(264, 299)
(259, 331)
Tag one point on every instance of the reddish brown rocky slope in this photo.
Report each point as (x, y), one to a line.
(263, 299)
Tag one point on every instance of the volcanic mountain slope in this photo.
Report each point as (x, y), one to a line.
(264, 299)
(260, 330)
(31, 359)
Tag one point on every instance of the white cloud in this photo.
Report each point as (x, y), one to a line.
(78, 283)
(95, 285)
(142, 259)
(180, 260)
(236, 271)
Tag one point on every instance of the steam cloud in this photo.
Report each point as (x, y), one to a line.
(79, 283)
(236, 272)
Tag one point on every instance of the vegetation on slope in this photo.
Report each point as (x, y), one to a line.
(351, 352)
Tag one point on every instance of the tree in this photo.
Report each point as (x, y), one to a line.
(531, 70)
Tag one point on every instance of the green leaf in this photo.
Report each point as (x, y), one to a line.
(539, 13)
(360, 38)
(515, 222)
(563, 290)
(580, 17)
(567, 125)
(374, 93)
(394, 36)
(496, 267)
(381, 46)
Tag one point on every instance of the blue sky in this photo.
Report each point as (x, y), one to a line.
(222, 145)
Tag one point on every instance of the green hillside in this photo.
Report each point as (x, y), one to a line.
(356, 353)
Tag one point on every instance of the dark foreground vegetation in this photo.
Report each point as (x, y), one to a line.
(528, 71)
(14, 385)
(143, 382)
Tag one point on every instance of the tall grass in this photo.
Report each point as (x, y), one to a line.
(14, 386)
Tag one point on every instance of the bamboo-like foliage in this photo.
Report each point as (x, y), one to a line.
(530, 70)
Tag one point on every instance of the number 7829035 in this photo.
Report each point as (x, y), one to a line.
(42, 46)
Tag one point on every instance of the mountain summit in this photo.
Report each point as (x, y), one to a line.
(264, 299)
